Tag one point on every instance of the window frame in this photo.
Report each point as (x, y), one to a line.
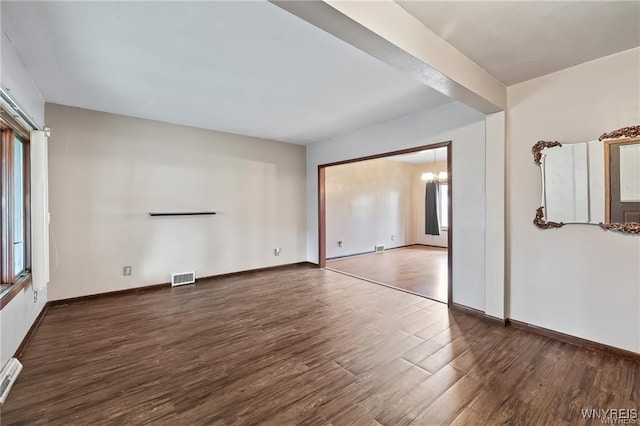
(10, 284)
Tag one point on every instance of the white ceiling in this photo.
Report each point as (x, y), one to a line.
(242, 67)
(519, 40)
(422, 157)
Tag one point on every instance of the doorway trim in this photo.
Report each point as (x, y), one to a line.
(322, 222)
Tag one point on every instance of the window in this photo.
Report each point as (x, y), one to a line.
(18, 208)
(14, 221)
(444, 205)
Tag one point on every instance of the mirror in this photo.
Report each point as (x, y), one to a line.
(596, 182)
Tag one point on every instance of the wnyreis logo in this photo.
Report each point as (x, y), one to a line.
(612, 416)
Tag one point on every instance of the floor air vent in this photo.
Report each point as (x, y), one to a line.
(379, 248)
(8, 377)
(183, 278)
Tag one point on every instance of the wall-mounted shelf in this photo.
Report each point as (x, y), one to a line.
(183, 214)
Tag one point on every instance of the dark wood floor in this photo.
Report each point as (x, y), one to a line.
(420, 269)
(302, 346)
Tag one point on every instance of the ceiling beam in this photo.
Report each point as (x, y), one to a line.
(386, 31)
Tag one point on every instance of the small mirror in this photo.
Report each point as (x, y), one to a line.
(596, 182)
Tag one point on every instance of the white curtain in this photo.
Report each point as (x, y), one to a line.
(39, 210)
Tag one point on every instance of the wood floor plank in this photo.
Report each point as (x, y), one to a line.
(406, 409)
(419, 269)
(301, 346)
(448, 405)
(358, 391)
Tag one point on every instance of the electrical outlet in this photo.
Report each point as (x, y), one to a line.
(35, 297)
(393, 237)
(339, 243)
(126, 271)
(276, 252)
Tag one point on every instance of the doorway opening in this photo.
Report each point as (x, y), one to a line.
(388, 219)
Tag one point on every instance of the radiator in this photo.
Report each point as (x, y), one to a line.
(8, 377)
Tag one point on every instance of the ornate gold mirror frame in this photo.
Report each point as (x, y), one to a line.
(624, 135)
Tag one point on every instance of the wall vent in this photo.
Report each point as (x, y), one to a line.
(8, 377)
(379, 248)
(183, 278)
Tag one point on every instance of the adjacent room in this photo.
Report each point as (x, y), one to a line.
(319, 212)
(387, 221)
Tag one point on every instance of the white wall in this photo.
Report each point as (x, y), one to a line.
(19, 314)
(16, 319)
(456, 122)
(108, 171)
(495, 223)
(419, 237)
(578, 280)
(368, 203)
(17, 81)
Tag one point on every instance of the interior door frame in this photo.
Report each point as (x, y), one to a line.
(322, 224)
